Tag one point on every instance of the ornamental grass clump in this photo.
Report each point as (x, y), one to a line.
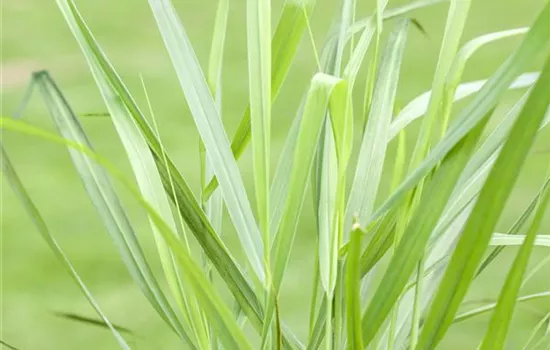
(427, 241)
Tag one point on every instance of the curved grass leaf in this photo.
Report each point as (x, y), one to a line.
(501, 239)
(418, 106)
(500, 321)
(489, 307)
(221, 317)
(11, 347)
(16, 185)
(192, 313)
(90, 321)
(515, 227)
(491, 201)
(107, 203)
(457, 68)
(137, 150)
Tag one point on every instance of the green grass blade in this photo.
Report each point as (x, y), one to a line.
(332, 161)
(211, 130)
(11, 347)
(457, 69)
(489, 307)
(258, 27)
(358, 54)
(279, 187)
(259, 86)
(107, 203)
(191, 311)
(412, 245)
(456, 20)
(322, 87)
(515, 227)
(534, 43)
(382, 238)
(214, 205)
(215, 61)
(372, 152)
(418, 106)
(90, 321)
(495, 337)
(501, 239)
(314, 296)
(397, 177)
(328, 180)
(353, 299)
(491, 201)
(321, 90)
(472, 46)
(16, 185)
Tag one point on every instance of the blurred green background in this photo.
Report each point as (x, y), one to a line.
(34, 36)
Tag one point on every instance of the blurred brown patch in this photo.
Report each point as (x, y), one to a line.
(17, 73)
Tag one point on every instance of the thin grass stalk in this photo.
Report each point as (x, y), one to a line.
(191, 311)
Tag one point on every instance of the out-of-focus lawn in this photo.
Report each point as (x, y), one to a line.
(34, 36)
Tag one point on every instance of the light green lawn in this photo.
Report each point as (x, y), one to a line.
(34, 36)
